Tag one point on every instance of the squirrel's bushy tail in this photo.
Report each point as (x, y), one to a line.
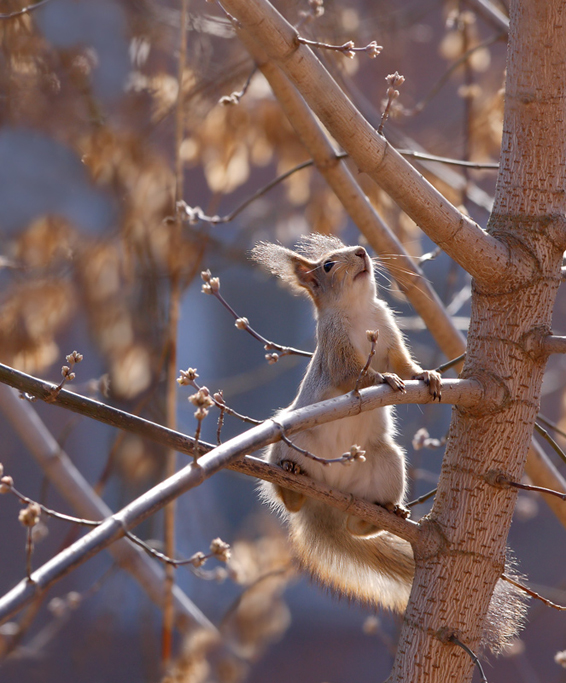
(377, 570)
(507, 610)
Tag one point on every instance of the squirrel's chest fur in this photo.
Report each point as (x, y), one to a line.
(342, 350)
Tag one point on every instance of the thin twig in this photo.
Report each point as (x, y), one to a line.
(236, 96)
(545, 435)
(195, 214)
(502, 479)
(67, 374)
(551, 425)
(29, 551)
(450, 364)
(171, 332)
(422, 156)
(52, 513)
(473, 656)
(78, 493)
(24, 10)
(348, 48)
(218, 399)
(463, 392)
(355, 453)
(195, 560)
(422, 499)
(372, 338)
(212, 286)
(394, 80)
(533, 593)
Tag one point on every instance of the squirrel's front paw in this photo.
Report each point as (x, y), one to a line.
(394, 381)
(292, 467)
(433, 380)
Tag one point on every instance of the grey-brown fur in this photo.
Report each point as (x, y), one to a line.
(341, 551)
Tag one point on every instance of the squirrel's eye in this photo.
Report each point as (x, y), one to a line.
(328, 266)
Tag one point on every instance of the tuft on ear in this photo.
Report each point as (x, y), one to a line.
(316, 245)
(296, 271)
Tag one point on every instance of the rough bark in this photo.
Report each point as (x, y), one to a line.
(453, 589)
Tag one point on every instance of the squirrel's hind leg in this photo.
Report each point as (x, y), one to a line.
(292, 500)
(359, 527)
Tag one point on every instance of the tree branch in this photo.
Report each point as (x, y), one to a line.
(553, 344)
(81, 497)
(24, 10)
(409, 277)
(401, 266)
(231, 454)
(481, 255)
(462, 392)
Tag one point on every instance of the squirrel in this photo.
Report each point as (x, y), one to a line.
(342, 551)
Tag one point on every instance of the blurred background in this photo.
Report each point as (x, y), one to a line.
(95, 150)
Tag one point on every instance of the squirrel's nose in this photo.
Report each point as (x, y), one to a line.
(361, 252)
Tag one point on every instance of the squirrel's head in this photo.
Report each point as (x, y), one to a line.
(333, 275)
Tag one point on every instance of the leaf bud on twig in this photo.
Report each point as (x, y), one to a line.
(220, 550)
(30, 515)
(6, 484)
(187, 377)
(242, 323)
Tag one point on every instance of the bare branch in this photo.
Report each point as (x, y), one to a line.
(450, 364)
(545, 435)
(551, 425)
(533, 594)
(348, 49)
(554, 344)
(402, 267)
(394, 80)
(230, 454)
(490, 13)
(422, 499)
(538, 489)
(24, 10)
(236, 96)
(473, 656)
(411, 154)
(194, 214)
(481, 254)
(52, 513)
(79, 494)
(212, 286)
(462, 392)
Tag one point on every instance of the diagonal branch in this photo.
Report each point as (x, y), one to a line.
(423, 298)
(483, 256)
(81, 497)
(231, 454)
(402, 267)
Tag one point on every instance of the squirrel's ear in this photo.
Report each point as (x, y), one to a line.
(305, 272)
(295, 270)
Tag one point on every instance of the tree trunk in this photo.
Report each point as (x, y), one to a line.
(451, 591)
